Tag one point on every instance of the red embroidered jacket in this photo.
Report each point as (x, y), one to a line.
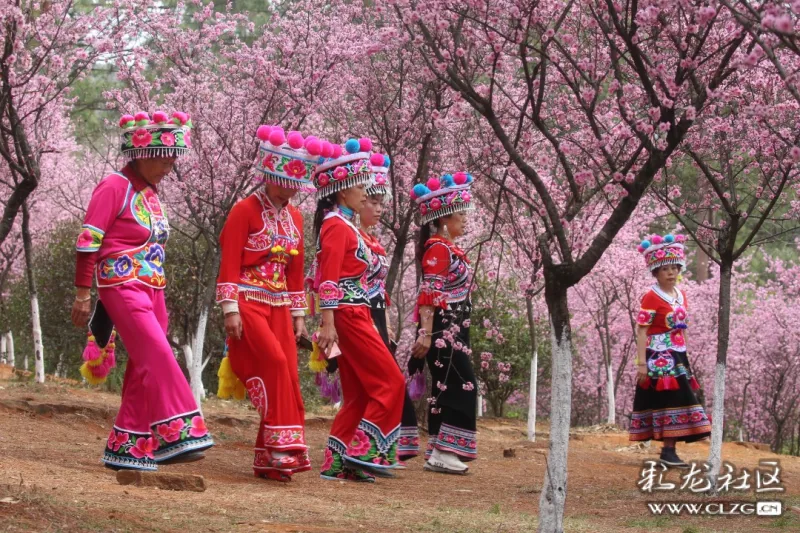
(262, 255)
(340, 276)
(445, 274)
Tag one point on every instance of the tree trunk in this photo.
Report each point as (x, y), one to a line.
(38, 347)
(10, 347)
(723, 335)
(534, 372)
(194, 351)
(611, 417)
(3, 352)
(480, 405)
(554, 490)
(60, 373)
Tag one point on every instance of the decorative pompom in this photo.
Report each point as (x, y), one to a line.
(413, 195)
(460, 178)
(309, 139)
(91, 352)
(434, 184)
(469, 178)
(420, 190)
(180, 118)
(386, 161)
(365, 144)
(657, 239)
(263, 132)
(159, 117)
(314, 147)
(352, 146)
(141, 115)
(639, 249)
(295, 139)
(327, 149)
(277, 137)
(447, 180)
(645, 245)
(337, 151)
(376, 160)
(669, 238)
(125, 119)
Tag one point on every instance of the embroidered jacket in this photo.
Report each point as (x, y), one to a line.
(377, 272)
(262, 255)
(123, 235)
(665, 318)
(445, 274)
(342, 262)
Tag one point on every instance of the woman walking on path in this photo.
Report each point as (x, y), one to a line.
(122, 246)
(444, 309)
(665, 407)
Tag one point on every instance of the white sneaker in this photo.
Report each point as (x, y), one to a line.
(445, 462)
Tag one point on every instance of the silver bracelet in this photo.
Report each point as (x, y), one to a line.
(81, 300)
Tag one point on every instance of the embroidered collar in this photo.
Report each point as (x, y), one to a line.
(666, 297)
(345, 212)
(372, 242)
(267, 203)
(136, 179)
(458, 252)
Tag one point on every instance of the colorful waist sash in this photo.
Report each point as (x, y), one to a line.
(144, 264)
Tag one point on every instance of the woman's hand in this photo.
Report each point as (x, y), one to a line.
(421, 346)
(299, 325)
(641, 372)
(327, 337)
(233, 325)
(81, 308)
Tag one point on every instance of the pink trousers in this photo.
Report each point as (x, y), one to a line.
(158, 418)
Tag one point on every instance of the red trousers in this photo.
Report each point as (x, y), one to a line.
(373, 388)
(265, 360)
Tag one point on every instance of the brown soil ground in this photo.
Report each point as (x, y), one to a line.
(51, 479)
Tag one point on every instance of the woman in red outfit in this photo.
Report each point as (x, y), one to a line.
(260, 288)
(363, 438)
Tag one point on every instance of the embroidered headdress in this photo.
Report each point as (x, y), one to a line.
(161, 136)
(380, 175)
(345, 168)
(441, 197)
(659, 251)
(289, 160)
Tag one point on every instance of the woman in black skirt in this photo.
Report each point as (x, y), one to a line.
(665, 406)
(370, 215)
(444, 314)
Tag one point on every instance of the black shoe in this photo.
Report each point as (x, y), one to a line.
(670, 458)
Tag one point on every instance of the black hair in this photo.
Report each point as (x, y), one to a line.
(424, 235)
(323, 206)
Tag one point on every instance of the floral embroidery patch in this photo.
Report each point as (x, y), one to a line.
(89, 239)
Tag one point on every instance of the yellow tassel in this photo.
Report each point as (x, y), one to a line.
(90, 378)
(229, 384)
(316, 362)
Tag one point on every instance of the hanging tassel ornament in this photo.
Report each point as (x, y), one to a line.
(229, 384)
(694, 383)
(98, 362)
(317, 363)
(417, 386)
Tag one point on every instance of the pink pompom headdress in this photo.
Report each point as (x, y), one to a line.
(659, 251)
(441, 197)
(289, 160)
(380, 176)
(161, 136)
(346, 168)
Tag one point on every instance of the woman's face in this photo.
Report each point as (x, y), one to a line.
(355, 197)
(280, 195)
(456, 224)
(373, 209)
(155, 169)
(668, 274)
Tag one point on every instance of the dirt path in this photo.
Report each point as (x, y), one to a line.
(51, 480)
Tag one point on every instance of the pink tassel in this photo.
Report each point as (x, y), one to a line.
(91, 352)
(660, 385)
(646, 383)
(694, 384)
(671, 383)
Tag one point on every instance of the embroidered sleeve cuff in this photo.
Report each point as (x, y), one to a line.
(89, 239)
(329, 295)
(230, 307)
(298, 313)
(645, 317)
(299, 303)
(430, 292)
(227, 292)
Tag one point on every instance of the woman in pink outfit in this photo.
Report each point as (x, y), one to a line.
(121, 245)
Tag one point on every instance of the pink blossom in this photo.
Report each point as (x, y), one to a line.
(327, 463)
(144, 447)
(360, 444)
(198, 428)
(141, 138)
(168, 139)
(171, 432)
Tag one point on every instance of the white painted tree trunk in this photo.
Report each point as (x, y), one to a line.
(60, 372)
(3, 351)
(38, 346)
(10, 347)
(532, 397)
(554, 490)
(717, 423)
(480, 405)
(612, 403)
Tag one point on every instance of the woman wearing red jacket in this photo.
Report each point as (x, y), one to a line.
(363, 438)
(260, 289)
